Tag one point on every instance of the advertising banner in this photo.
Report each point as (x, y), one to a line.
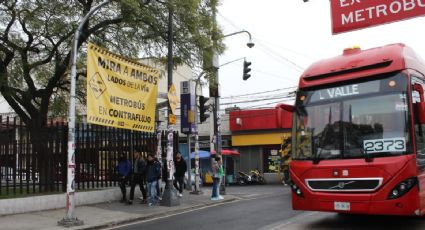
(187, 123)
(348, 15)
(121, 93)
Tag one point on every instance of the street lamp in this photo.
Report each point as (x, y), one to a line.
(250, 43)
(215, 133)
(169, 197)
(70, 220)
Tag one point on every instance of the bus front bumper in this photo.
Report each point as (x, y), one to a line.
(407, 205)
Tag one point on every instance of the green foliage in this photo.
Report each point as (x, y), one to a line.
(37, 35)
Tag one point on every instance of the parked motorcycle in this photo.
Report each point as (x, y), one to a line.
(254, 177)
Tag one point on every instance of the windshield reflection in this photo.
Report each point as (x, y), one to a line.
(370, 124)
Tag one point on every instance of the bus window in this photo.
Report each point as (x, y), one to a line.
(419, 129)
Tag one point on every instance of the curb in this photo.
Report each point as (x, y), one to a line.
(131, 220)
(43, 202)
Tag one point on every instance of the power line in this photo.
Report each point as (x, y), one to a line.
(270, 103)
(273, 101)
(268, 50)
(262, 72)
(229, 21)
(258, 40)
(254, 100)
(273, 53)
(263, 98)
(261, 92)
(267, 43)
(269, 74)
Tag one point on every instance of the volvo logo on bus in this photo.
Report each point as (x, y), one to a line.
(342, 184)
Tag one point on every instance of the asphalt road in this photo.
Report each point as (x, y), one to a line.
(259, 206)
(269, 207)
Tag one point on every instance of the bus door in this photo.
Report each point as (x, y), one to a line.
(418, 87)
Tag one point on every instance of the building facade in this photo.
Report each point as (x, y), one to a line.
(258, 135)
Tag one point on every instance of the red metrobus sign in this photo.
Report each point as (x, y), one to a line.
(348, 15)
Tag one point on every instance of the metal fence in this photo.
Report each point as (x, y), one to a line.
(35, 162)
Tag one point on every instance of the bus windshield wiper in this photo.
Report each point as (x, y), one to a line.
(367, 156)
(316, 158)
(316, 155)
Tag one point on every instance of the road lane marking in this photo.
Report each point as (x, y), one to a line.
(171, 215)
(247, 197)
(287, 222)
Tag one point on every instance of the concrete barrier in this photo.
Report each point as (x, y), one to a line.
(57, 201)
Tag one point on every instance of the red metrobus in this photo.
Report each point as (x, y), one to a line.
(359, 134)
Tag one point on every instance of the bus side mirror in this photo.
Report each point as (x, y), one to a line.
(420, 110)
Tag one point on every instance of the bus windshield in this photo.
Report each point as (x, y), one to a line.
(360, 120)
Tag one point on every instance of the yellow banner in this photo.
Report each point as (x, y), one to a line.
(120, 92)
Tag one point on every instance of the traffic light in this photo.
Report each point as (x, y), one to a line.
(246, 70)
(202, 109)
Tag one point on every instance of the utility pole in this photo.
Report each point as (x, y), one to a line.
(197, 189)
(187, 125)
(170, 196)
(189, 163)
(70, 220)
(215, 127)
(215, 138)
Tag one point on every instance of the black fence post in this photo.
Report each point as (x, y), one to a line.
(14, 154)
(35, 162)
(20, 155)
(7, 156)
(1, 154)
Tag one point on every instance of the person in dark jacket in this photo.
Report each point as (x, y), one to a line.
(181, 168)
(123, 168)
(153, 174)
(138, 175)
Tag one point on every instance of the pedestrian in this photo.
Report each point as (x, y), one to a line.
(152, 176)
(181, 168)
(138, 176)
(216, 178)
(123, 168)
(220, 176)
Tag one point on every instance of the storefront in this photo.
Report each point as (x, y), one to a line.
(257, 135)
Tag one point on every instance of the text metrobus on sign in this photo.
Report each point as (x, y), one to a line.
(348, 15)
(120, 92)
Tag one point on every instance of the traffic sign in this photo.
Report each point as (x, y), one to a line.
(173, 99)
(172, 119)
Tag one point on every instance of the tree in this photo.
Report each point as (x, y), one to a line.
(36, 39)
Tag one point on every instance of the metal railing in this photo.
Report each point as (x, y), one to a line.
(35, 162)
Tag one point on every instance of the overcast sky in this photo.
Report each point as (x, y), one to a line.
(289, 36)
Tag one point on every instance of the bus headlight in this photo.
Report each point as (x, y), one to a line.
(402, 188)
(296, 190)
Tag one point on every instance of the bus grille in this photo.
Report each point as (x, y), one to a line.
(344, 184)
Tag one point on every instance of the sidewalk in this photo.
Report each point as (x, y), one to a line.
(107, 214)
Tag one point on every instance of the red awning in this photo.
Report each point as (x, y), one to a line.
(228, 152)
